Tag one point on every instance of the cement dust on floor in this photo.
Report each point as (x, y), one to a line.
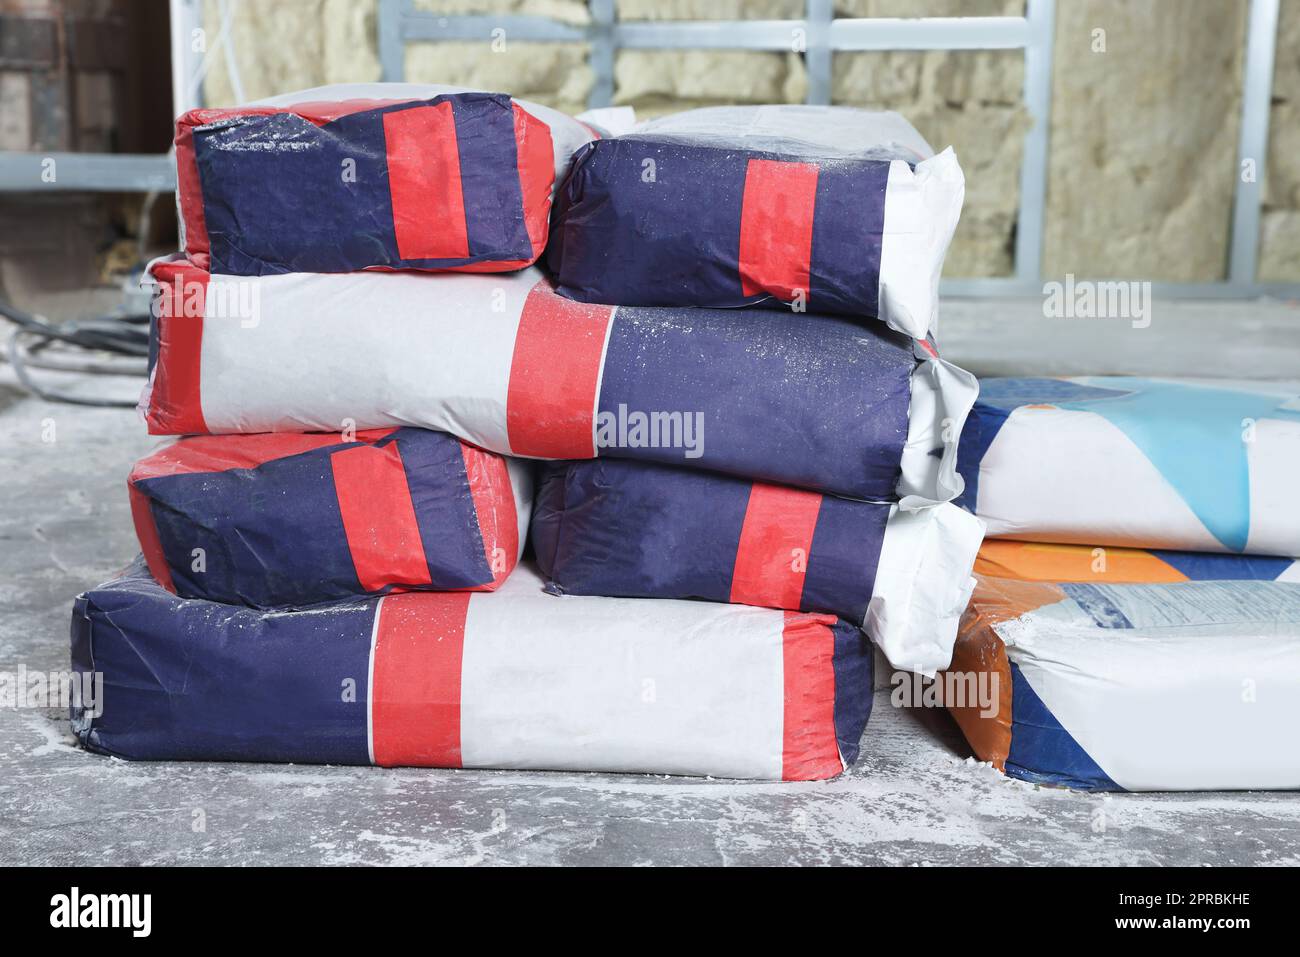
(915, 796)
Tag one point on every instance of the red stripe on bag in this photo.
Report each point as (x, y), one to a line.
(174, 405)
(146, 532)
(535, 155)
(494, 505)
(218, 453)
(554, 374)
(415, 679)
(809, 749)
(776, 227)
(424, 182)
(189, 184)
(379, 516)
(189, 189)
(775, 542)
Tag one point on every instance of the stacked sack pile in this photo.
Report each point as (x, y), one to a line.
(364, 356)
(1136, 625)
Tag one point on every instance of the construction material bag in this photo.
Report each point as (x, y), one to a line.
(616, 527)
(366, 176)
(513, 678)
(289, 519)
(1094, 683)
(503, 362)
(1149, 463)
(1040, 561)
(822, 208)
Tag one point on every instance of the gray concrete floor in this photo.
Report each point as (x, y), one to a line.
(915, 797)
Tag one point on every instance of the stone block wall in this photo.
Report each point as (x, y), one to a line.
(1144, 138)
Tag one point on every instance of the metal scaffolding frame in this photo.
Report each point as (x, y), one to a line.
(818, 36)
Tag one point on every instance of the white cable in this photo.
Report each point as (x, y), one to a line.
(201, 71)
(228, 50)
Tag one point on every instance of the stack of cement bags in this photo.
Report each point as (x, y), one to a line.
(1143, 632)
(363, 355)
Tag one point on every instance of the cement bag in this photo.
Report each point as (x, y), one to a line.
(1039, 561)
(1159, 463)
(392, 176)
(610, 527)
(830, 209)
(513, 678)
(1103, 685)
(291, 519)
(502, 362)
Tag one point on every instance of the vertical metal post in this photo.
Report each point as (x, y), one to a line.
(392, 43)
(186, 16)
(1041, 17)
(1252, 149)
(601, 54)
(817, 52)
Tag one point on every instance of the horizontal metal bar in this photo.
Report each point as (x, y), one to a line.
(710, 35)
(698, 34)
(423, 26)
(930, 33)
(1225, 290)
(989, 288)
(1012, 288)
(879, 33)
(91, 172)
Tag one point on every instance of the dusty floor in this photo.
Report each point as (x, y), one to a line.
(913, 798)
